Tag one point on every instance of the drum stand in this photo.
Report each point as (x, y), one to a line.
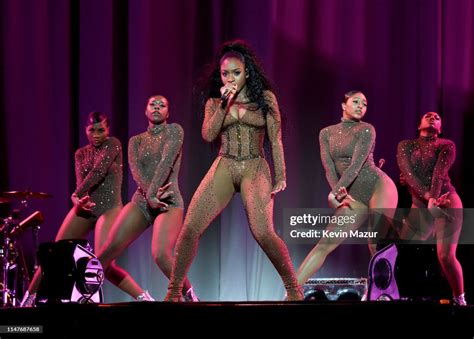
(13, 266)
(8, 265)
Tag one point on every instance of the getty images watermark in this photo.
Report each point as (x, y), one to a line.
(308, 226)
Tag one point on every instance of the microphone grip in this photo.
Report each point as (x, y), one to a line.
(225, 95)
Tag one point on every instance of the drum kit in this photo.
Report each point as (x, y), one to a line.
(14, 271)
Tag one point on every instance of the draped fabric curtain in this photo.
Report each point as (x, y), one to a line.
(62, 59)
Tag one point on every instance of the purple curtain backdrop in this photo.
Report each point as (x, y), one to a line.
(61, 59)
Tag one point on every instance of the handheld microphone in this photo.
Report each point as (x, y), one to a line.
(225, 95)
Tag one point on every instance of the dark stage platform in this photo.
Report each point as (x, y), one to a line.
(222, 320)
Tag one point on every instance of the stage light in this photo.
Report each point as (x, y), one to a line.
(382, 283)
(315, 294)
(335, 289)
(348, 294)
(89, 277)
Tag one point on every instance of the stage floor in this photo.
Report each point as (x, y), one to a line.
(229, 319)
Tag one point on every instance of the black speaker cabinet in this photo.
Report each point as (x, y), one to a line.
(406, 271)
(70, 273)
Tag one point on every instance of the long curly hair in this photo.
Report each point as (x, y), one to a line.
(256, 83)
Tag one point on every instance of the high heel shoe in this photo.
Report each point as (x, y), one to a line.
(145, 296)
(460, 300)
(190, 296)
(28, 299)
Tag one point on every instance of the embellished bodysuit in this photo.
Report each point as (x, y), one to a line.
(242, 137)
(240, 167)
(424, 163)
(154, 158)
(347, 156)
(99, 175)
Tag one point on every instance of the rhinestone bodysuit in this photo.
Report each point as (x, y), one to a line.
(240, 167)
(347, 156)
(424, 163)
(99, 174)
(154, 158)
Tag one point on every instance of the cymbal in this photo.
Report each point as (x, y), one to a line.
(25, 195)
(3, 200)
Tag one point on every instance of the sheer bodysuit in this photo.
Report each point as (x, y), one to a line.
(424, 163)
(347, 156)
(99, 174)
(154, 158)
(240, 167)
